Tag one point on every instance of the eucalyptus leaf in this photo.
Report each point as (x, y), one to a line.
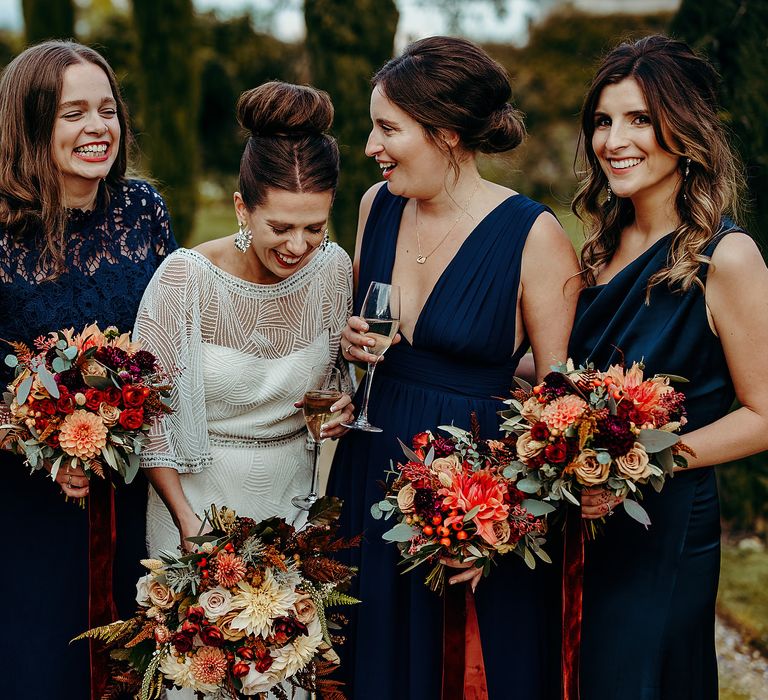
(376, 512)
(71, 352)
(22, 393)
(402, 532)
(528, 485)
(657, 440)
(570, 497)
(529, 558)
(109, 457)
(658, 483)
(430, 456)
(636, 511)
(59, 365)
(612, 405)
(537, 508)
(666, 460)
(48, 381)
(96, 382)
(603, 457)
(472, 549)
(471, 514)
(11, 360)
(61, 344)
(132, 469)
(525, 386)
(55, 466)
(674, 378)
(386, 506)
(456, 432)
(409, 453)
(541, 554)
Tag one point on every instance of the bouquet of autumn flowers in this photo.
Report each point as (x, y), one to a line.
(242, 616)
(452, 500)
(83, 399)
(582, 428)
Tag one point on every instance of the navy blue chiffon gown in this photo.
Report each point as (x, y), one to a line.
(463, 355)
(111, 254)
(649, 595)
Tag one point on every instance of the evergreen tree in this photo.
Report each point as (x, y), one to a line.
(169, 103)
(48, 19)
(347, 42)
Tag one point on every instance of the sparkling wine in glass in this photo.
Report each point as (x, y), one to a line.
(381, 311)
(322, 391)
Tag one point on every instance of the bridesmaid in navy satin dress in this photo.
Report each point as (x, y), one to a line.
(654, 143)
(465, 324)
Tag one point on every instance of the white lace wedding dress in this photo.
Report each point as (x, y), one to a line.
(242, 354)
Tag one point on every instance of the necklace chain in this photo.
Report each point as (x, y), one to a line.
(421, 258)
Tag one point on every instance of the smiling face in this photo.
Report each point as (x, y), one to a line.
(626, 146)
(86, 134)
(287, 228)
(410, 162)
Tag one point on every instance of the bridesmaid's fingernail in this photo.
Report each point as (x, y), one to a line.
(333, 408)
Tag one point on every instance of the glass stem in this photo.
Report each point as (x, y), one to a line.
(315, 469)
(363, 417)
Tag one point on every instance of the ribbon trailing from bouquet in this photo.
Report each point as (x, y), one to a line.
(463, 666)
(573, 588)
(101, 549)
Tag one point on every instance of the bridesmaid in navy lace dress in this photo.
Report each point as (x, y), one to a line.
(483, 273)
(675, 284)
(78, 243)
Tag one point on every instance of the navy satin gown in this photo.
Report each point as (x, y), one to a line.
(463, 355)
(649, 595)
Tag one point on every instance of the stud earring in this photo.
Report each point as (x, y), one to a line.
(610, 192)
(243, 237)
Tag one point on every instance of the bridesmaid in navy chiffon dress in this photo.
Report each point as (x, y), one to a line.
(463, 336)
(649, 595)
(113, 234)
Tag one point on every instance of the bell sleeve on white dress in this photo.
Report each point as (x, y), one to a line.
(168, 324)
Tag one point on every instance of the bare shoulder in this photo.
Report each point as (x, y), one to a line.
(218, 251)
(734, 255)
(547, 236)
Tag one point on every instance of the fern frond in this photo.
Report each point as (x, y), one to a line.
(151, 685)
(145, 633)
(335, 597)
(111, 633)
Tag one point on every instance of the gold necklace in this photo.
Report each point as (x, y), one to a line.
(421, 258)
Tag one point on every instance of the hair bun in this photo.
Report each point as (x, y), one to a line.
(283, 109)
(505, 130)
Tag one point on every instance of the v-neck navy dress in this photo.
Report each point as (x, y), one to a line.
(649, 595)
(463, 355)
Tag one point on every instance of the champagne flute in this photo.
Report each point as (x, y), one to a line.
(381, 311)
(322, 391)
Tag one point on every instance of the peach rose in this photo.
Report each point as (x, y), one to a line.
(531, 410)
(450, 464)
(225, 625)
(527, 447)
(588, 470)
(635, 464)
(94, 369)
(109, 414)
(306, 610)
(159, 594)
(405, 498)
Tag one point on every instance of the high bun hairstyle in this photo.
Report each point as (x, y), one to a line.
(450, 83)
(680, 89)
(289, 147)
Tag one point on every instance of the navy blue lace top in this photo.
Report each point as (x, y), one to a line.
(111, 255)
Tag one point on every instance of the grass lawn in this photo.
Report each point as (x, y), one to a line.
(215, 218)
(743, 597)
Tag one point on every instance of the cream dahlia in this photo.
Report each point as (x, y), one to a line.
(563, 412)
(82, 434)
(295, 656)
(259, 605)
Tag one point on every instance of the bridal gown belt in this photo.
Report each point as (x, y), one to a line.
(217, 440)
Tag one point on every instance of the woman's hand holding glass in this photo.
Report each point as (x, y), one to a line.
(354, 341)
(343, 410)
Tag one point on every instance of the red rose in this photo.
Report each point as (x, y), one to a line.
(556, 453)
(245, 653)
(540, 432)
(286, 629)
(196, 614)
(182, 642)
(263, 664)
(132, 418)
(93, 399)
(212, 636)
(113, 396)
(53, 440)
(190, 628)
(240, 669)
(46, 406)
(66, 404)
(134, 396)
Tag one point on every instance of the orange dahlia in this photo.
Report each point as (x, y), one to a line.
(209, 665)
(82, 434)
(563, 412)
(229, 569)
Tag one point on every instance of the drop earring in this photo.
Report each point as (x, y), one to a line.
(610, 193)
(243, 238)
(326, 241)
(685, 176)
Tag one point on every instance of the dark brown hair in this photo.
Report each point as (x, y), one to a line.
(289, 147)
(680, 90)
(450, 83)
(31, 191)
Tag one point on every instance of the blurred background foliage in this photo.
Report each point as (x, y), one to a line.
(181, 72)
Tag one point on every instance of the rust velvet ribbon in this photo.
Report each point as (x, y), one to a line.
(573, 588)
(463, 666)
(101, 549)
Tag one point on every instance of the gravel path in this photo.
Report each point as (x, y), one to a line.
(743, 671)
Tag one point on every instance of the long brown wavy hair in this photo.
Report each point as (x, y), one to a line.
(680, 89)
(31, 190)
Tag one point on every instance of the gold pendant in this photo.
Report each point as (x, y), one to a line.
(421, 259)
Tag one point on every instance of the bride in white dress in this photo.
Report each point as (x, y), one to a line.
(243, 320)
